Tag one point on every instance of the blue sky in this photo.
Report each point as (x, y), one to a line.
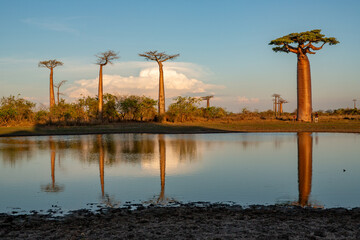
(223, 48)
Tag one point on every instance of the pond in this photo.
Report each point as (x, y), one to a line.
(88, 171)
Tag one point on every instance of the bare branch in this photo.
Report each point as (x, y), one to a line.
(158, 56)
(106, 57)
(60, 84)
(50, 64)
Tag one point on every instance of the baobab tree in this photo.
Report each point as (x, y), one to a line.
(354, 103)
(103, 59)
(207, 98)
(303, 45)
(58, 85)
(281, 102)
(51, 64)
(159, 57)
(276, 102)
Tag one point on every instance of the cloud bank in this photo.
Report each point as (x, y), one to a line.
(146, 83)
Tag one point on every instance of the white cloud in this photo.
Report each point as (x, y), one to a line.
(244, 99)
(146, 83)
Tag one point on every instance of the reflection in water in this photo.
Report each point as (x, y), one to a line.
(305, 148)
(304, 167)
(162, 153)
(52, 187)
(101, 163)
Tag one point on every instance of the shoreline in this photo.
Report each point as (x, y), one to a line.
(215, 221)
(184, 128)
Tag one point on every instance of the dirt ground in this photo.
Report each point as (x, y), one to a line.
(188, 221)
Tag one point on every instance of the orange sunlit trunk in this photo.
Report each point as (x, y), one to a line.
(161, 103)
(100, 94)
(304, 167)
(304, 101)
(52, 96)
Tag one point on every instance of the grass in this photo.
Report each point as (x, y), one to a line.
(349, 126)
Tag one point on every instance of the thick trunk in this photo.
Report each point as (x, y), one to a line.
(52, 96)
(281, 108)
(162, 151)
(208, 103)
(100, 94)
(304, 101)
(304, 167)
(161, 103)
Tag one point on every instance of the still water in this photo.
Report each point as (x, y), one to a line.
(73, 172)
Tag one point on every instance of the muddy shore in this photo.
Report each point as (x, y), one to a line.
(188, 221)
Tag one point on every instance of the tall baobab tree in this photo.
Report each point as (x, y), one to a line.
(276, 102)
(51, 64)
(103, 59)
(303, 45)
(159, 57)
(207, 98)
(354, 103)
(58, 85)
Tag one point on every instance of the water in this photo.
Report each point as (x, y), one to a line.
(73, 172)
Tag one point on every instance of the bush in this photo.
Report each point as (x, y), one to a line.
(15, 110)
(183, 109)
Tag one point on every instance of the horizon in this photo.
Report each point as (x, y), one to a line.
(223, 50)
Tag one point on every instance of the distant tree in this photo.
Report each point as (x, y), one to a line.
(281, 102)
(51, 64)
(354, 100)
(58, 85)
(303, 45)
(103, 59)
(159, 57)
(276, 102)
(207, 98)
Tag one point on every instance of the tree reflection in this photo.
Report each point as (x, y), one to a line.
(305, 147)
(52, 187)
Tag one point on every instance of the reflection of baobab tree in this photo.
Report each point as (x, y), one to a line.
(106, 199)
(161, 199)
(52, 187)
(305, 147)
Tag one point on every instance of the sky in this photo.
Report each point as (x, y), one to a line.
(223, 47)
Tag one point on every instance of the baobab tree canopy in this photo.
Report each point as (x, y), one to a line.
(157, 56)
(50, 64)
(106, 57)
(304, 41)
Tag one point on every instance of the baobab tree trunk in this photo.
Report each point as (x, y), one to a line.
(304, 166)
(304, 101)
(281, 108)
(208, 102)
(161, 104)
(100, 94)
(52, 96)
